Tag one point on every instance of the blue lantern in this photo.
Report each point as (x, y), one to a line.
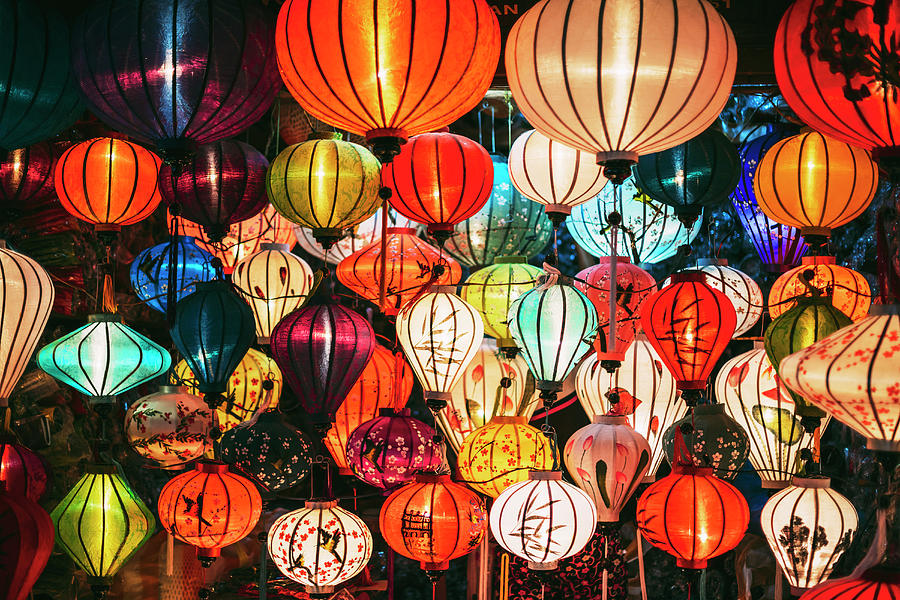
(150, 271)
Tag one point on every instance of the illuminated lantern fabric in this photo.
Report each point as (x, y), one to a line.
(849, 290)
(23, 472)
(223, 184)
(877, 583)
(433, 520)
(389, 75)
(439, 179)
(26, 532)
(814, 183)
(26, 298)
(386, 382)
(646, 393)
(543, 520)
(742, 291)
(716, 440)
(633, 286)
(852, 375)
(150, 271)
(274, 282)
(553, 174)
(388, 450)
(108, 182)
(498, 455)
(327, 185)
(170, 427)
(209, 507)
(356, 238)
(755, 397)
(104, 358)
(409, 267)
(176, 74)
(493, 289)
(26, 174)
(607, 459)
(320, 545)
(808, 527)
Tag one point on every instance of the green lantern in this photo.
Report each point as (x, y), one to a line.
(104, 358)
(715, 440)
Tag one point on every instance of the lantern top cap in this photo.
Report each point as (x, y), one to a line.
(104, 318)
(394, 412)
(97, 469)
(818, 260)
(274, 246)
(623, 260)
(689, 277)
(320, 504)
(443, 289)
(401, 230)
(609, 420)
(509, 260)
(509, 420)
(811, 482)
(545, 475)
(709, 409)
(425, 477)
(2, 244)
(880, 310)
(209, 466)
(693, 470)
(712, 262)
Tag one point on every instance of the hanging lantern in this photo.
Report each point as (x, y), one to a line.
(357, 237)
(320, 546)
(388, 450)
(26, 174)
(433, 520)
(852, 375)
(170, 427)
(22, 472)
(808, 527)
(389, 79)
(222, 184)
(108, 182)
(553, 174)
(104, 358)
(714, 439)
(742, 291)
(607, 459)
(849, 290)
(411, 265)
(209, 507)
(498, 455)
(275, 282)
(386, 382)
(26, 532)
(543, 520)
(877, 583)
(150, 274)
(508, 224)
(101, 523)
(755, 397)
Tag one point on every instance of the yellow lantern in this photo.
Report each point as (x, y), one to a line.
(849, 290)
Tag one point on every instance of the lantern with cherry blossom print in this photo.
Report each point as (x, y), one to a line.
(744, 293)
(170, 427)
(715, 439)
(849, 290)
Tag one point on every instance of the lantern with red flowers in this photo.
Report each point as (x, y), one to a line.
(26, 541)
(21, 470)
(850, 292)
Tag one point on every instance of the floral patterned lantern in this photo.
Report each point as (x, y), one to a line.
(170, 427)
(849, 290)
(151, 271)
(715, 440)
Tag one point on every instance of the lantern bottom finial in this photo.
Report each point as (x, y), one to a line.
(386, 143)
(557, 213)
(320, 591)
(327, 236)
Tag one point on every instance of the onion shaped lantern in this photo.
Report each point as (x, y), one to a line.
(151, 271)
(808, 526)
(543, 520)
(877, 583)
(357, 237)
(170, 427)
(849, 290)
(27, 533)
(715, 440)
(26, 174)
(742, 291)
(22, 472)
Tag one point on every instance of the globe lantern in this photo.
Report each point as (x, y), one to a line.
(849, 290)
(714, 439)
(170, 427)
(357, 237)
(26, 174)
(27, 534)
(320, 546)
(742, 291)
(607, 459)
(877, 583)
(500, 454)
(22, 472)
(374, 86)
(543, 520)
(150, 271)
(275, 282)
(808, 526)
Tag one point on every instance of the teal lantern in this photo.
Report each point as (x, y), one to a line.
(104, 358)
(152, 272)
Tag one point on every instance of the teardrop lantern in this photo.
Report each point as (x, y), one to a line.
(742, 291)
(23, 472)
(850, 292)
(715, 440)
(170, 427)
(26, 531)
(150, 271)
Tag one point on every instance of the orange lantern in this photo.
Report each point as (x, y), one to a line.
(108, 182)
(849, 291)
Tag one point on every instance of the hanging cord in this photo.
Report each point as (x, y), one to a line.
(172, 274)
(385, 194)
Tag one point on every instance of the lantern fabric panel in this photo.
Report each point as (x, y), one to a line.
(849, 290)
(149, 272)
(170, 427)
(716, 440)
(26, 531)
(26, 174)
(876, 583)
(22, 472)
(742, 291)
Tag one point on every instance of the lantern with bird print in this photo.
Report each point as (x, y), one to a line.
(153, 269)
(170, 427)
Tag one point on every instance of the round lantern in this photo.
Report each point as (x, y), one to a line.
(179, 261)
(26, 174)
(851, 374)
(814, 183)
(715, 440)
(26, 532)
(275, 454)
(176, 75)
(493, 289)
(26, 295)
(410, 265)
(108, 182)
(320, 546)
(209, 507)
(808, 527)
(433, 520)
(222, 184)
(742, 291)
(328, 185)
(274, 282)
(596, 95)
(104, 358)
(643, 390)
(391, 77)
(849, 290)
(543, 520)
(877, 583)
(553, 174)
(439, 179)
(357, 237)
(501, 453)
(170, 427)
(607, 459)
(22, 472)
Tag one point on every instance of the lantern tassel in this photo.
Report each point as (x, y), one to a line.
(641, 576)
(109, 302)
(504, 576)
(170, 554)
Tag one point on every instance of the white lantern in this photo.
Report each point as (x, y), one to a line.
(170, 427)
(357, 238)
(543, 520)
(744, 293)
(808, 526)
(320, 545)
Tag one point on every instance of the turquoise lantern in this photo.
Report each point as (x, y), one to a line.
(151, 271)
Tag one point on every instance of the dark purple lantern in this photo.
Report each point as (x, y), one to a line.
(223, 183)
(177, 73)
(26, 174)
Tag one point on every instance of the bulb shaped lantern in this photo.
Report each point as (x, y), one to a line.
(22, 472)
(715, 440)
(849, 290)
(179, 261)
(170, 427)
(26, 174)
(877, 583)
(742, 291)
(357, 237)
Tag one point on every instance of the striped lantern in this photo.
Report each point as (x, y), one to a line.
(357, 237)
(881, 582)
(180, 258)
(744, 293)
(850, 292)
(26, 542)
(22, 471)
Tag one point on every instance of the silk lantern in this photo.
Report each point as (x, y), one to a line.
(170, 427)
(607, 459)
(22, 472)
(26, 532)
(742, 291)
(26, 174)
(357, 237)
(808, 526)
(151, 274)
(275, 282)
(849, 290)
(877, 583)
(715, 440)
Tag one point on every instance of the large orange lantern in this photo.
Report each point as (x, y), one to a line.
(849, 290)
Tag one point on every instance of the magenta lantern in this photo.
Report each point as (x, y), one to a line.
(21, 470)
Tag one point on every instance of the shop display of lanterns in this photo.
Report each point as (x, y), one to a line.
(170, 426)
(849, 290)
(151, 271)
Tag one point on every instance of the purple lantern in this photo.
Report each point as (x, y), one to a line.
(391, 448)
(779, 247)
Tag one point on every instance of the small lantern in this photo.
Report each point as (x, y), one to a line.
(151, 271)
(27, 533)
(715, 440)
(849, 290)
(170, 427)
(744, 293)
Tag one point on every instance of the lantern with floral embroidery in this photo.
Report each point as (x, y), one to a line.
(151, 271)
(715, 440)
(23, 472)
(170, 427)
(849, 290)
(743, 292)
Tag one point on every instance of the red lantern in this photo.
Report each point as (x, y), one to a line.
(22, 471)
(26, 174)
(879, 583)
(26, 540)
